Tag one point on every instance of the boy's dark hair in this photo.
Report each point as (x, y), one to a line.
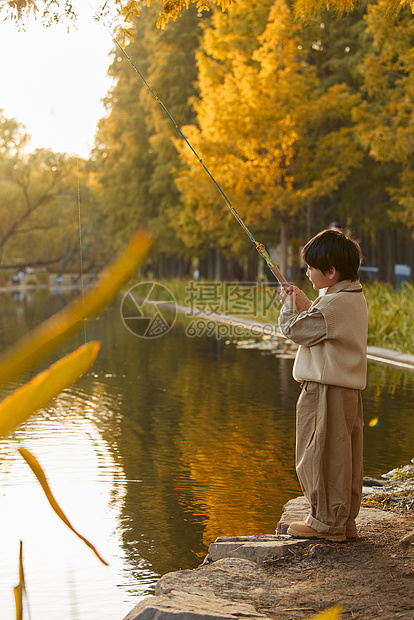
(332, 248)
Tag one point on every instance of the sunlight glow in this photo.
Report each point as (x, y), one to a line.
(53, 82)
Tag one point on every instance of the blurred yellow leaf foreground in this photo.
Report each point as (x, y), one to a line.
(40, 475)
(334, 613)
(32, 396)
(36, 393)
(46, 336)
(20, 588)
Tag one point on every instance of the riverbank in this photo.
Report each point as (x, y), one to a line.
(255, 333)
(266, 337)
(276, 577)
(390, 311)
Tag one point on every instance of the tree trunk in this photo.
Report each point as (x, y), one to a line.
(251, 271)
(211, 263)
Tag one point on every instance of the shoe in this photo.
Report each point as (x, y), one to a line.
(301, 530)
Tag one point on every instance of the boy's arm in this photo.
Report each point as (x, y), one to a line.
(305, 327)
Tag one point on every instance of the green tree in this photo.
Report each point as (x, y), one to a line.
(39, 202)
(337, 48)
(122, 158)
(386, 116)
(134, 153)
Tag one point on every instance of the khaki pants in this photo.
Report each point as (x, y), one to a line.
(329, 455)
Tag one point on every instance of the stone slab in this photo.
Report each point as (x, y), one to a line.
(230, 578)
(177, 605)
(257, 549)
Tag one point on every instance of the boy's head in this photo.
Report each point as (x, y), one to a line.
(331, 248)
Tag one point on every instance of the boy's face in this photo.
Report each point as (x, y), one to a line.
(322, 280)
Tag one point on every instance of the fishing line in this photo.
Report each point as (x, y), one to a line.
(259, 246)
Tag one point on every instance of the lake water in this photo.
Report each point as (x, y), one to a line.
(164, 445)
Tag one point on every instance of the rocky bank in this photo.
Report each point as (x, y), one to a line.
(278, 577)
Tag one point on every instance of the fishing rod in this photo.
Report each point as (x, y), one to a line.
(259, 246)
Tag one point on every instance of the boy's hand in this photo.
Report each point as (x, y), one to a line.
(295, 298)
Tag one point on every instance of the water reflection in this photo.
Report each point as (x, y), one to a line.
(88, 482)
(388, 397)
(212, 438)
(163, 446)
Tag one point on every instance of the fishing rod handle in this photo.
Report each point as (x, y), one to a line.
(271, 264)
(279, 276)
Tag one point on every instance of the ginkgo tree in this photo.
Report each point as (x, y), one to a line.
(268, 131)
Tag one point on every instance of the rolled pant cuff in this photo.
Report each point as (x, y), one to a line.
(322, 528)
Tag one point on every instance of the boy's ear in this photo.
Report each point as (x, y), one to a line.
(332, 272)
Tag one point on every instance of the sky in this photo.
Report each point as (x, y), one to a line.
(53, 82)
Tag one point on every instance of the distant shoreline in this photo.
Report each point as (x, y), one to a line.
(376, 354)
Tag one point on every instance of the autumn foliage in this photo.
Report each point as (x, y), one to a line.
(299, 121)
(302, 113)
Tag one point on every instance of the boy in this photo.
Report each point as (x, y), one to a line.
(331, 367)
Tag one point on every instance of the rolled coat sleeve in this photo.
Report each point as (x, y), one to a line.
(307, 328)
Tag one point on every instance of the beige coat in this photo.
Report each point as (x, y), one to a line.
(332, 336)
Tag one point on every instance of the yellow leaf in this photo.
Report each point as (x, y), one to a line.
(19, 589)
(334, 613)
(40, 475)
(36, 393)
(18, 597)
(41, 340)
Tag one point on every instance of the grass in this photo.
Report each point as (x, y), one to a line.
(387, 499)
(390, 311)
(390, 316)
